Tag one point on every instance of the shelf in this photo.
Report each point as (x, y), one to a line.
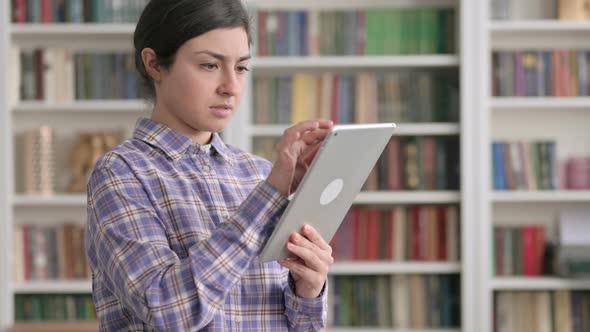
(558, 103)
(404, 129)
(72, 29)
(286, 62)
(56, 200)
(84, 36)
(541, 196)
(391, 267)
(338, 4)
(54, 287)
(408, 197)
(377, 197)
(111, 106)
(538, 283)
(53, 326)
(539, 26)
(377, 329)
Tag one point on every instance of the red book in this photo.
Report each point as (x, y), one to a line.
(20, 11)
(261, 33)
(373, 242)
(441, 216)
(46, 11)
(39, 69)
(414, 229)
(528, 250)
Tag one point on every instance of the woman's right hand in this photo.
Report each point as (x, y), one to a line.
(295, 152)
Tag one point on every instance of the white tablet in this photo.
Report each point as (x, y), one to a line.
(332, 182)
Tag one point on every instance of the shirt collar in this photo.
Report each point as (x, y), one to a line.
(171, 142)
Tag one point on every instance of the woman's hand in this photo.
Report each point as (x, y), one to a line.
(295, 153)
(313, 260)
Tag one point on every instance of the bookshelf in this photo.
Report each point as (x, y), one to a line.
(523, 118)
(71, 117)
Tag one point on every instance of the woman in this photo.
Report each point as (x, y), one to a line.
(176, 217)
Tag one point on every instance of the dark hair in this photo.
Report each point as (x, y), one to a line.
(164, 25)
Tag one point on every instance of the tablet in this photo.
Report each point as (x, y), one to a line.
(330, 185)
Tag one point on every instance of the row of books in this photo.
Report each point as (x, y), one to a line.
(400, 96)
(53, 307)
(519, 250)
(560, 311)
(376, 31)
(400, 301)
(49, 252)
(416, 233)
(559, 73)
(408, 163)
(524, 165)
(76, 11)
(60, 75)
(539, 10)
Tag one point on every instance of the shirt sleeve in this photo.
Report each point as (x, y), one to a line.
(306, 314)
(127, 242)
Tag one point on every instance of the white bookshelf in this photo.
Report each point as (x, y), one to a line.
(387, 197)
(55, 200)
(542, 196)
(54, 287)
(6, 212)
(540, 103)
(404, 129)
(107, 106)
(538, 283)
(376, 268)
(523, 118)
(92, 113)
(414, 61)
(370, 329)
(540, 26)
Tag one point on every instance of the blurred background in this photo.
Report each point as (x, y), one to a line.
(475, 218)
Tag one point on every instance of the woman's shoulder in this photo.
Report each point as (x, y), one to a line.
(124, 157)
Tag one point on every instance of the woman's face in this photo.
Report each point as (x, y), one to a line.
(201, 91)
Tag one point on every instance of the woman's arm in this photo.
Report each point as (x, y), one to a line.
(127, 243)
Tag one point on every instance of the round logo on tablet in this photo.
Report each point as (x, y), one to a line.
(331, 191)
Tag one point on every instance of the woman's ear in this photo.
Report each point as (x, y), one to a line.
(150, 62)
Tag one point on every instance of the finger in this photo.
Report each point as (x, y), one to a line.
(324, 255)
(325, 124)
(311, 259)
(314, 136)
(315, 237)
(310, 154)
(302, 127)
(298, 268)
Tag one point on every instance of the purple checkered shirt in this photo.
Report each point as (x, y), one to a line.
(173, 233)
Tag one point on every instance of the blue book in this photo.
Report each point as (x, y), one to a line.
(499, 178)
(583, 73)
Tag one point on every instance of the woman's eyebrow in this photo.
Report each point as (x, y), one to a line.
(221, 56)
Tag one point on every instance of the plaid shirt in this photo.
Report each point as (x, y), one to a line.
(173, 232)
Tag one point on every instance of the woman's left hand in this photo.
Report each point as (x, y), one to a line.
(313, 260)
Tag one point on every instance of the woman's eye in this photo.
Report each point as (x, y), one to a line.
(209, 66)
(243, 69)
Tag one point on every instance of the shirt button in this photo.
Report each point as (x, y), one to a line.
(206, 168)
(237, 320)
